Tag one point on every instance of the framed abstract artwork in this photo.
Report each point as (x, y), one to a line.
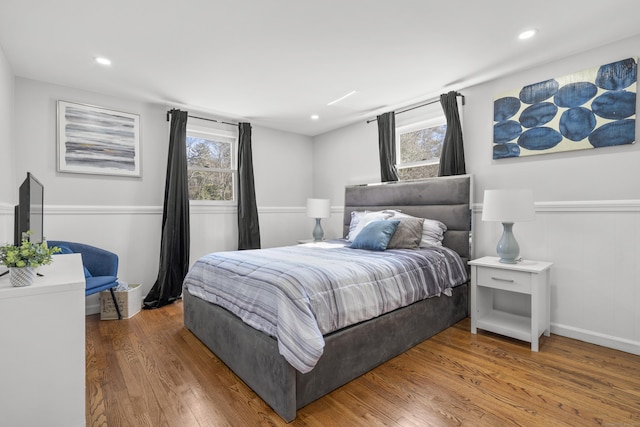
(589, 109)
(95, 140)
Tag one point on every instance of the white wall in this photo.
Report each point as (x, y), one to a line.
(124, 214)
(346, 156)
(120, 214)
(588, 212)
(282, 167)
(600, 174)
(7, 196)
(350, 156)
(588, 205)
(36, 147)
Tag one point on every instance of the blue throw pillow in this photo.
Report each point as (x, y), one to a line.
(376, 235)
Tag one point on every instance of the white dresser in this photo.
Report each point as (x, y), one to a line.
(42, 350)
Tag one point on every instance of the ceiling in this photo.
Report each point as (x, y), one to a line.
(277, 62)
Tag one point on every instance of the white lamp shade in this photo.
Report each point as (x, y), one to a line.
(318, 208)
(508, 206)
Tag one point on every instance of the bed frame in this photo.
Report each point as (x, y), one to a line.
(357, 349)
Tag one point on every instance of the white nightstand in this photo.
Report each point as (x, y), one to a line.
(527, 279)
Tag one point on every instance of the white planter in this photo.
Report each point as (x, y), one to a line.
(21, 276)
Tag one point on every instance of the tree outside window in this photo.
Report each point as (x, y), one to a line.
(420, 147)
(211, 168)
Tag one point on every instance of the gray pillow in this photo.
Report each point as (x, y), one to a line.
(432, 230)
(408, 234)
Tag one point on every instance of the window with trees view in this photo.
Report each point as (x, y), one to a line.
(211, 164)
(419, 149)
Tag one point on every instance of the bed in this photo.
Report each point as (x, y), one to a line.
(353, 350)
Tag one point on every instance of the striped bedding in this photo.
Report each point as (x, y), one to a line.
(299, 293)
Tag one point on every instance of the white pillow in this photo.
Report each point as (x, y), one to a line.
(356, 216)
(362, 220)
(432, 230)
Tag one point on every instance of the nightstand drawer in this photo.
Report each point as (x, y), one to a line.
(509, 280)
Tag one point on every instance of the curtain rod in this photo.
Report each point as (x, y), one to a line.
(433, 101)
(203, 118)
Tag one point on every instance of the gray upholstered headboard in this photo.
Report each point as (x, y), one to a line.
(447, 199)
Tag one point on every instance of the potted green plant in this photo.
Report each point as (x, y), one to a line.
(23, 260)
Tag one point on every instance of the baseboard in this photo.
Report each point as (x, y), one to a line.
(92, 309)
(591, 337)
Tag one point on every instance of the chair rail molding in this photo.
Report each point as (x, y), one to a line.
(6, 209)
(581, 206)
(197, 208)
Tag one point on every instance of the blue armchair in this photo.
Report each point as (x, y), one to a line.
(100, 267)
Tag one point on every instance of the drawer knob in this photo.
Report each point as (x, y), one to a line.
(500, 279)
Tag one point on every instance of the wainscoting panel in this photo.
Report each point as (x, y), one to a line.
(6, 223)
(595, 279)
(133, 232)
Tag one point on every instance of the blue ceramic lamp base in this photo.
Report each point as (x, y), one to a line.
(508, 249)
(318, 234)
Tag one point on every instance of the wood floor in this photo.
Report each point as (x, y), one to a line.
(150, 371)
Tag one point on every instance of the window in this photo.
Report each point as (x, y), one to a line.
(211, 164)
(419, 148)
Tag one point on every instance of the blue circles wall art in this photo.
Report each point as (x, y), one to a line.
(589, 109)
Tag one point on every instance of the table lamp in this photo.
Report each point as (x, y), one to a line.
(318, 208)
(508, 206)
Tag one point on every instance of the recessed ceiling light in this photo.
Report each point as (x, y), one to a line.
(527, 34)
(342, 97)
(315, 117)
(103, 61)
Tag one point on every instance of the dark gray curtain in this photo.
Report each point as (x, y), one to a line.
(174, 245)
(248, 226)
(387, 146)
(452, 157)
